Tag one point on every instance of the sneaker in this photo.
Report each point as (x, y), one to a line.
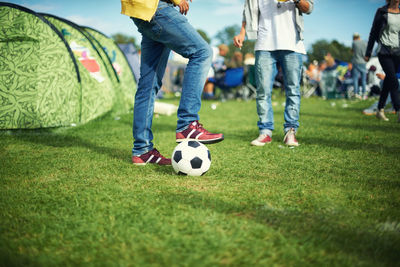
(290, 138)
(195, 131)
(261, 140)
(153, 156)
(380, 114)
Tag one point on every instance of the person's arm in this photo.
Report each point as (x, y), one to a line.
(239, 39)
(304, 6)
(373, 35)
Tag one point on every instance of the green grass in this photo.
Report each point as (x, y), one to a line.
(71, 197)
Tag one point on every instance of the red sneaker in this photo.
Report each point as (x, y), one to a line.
(153, 156)
(261, 140)
(195, 131)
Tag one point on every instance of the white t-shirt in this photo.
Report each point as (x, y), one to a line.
(277, 27)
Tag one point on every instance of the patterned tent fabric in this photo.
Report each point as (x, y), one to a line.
(121, 68)
(53, 73)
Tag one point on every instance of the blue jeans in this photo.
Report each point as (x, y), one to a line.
(266, 70)
(357, 71)
(168, 30)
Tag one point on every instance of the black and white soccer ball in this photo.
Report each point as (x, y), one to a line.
(191, 158)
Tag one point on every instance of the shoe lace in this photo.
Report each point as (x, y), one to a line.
(157, 154)
(290, 135)
(200, 128)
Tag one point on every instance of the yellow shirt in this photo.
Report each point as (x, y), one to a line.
(141, 9)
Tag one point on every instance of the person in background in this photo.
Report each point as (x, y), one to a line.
(385, 31)
(218, 66)
(371, 110)
(236, 60)
(329, 78)
(278, 30)
(164, 28)
(346, 80)
(359, 70)
(312, 72)
(249, 59)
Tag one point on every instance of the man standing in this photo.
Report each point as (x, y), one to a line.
(163, 29)
(359, 66)
(277, 27)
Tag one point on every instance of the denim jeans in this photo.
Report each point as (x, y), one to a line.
(168, 30)
(266, 70)
(357, 71)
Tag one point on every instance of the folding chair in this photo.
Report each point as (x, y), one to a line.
(232, 79)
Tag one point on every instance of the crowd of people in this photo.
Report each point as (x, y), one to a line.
(277, 28)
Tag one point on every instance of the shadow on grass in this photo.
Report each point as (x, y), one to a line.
(320, 230)
(331, 115)
(48, 138)
(346, 145)
(246, 136)
(354, 126)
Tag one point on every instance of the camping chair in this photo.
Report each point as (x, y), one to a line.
(329, 81)
(309, 87)
(233, 78)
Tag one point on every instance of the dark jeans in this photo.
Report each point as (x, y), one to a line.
(390, 64)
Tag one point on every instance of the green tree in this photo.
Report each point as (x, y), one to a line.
(322, 47)
(204, 35)
(120, 38)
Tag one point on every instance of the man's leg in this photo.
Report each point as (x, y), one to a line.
(154, 58)
(364, 80)
(173, 30)
(176, 33)
(291, 63)
(356, 76)
(265, 68)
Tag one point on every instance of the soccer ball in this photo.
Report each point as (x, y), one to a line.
(191, 158)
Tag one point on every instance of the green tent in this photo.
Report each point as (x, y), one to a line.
(117, 59)
(98, 81)
(39, 78)
(56, 73)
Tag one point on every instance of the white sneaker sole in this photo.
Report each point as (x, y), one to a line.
(258, 143)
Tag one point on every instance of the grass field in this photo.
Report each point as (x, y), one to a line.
(71, 197)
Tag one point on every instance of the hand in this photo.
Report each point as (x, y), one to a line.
(366, 58)
(184, 7)
(380, 76)
(238, 40)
